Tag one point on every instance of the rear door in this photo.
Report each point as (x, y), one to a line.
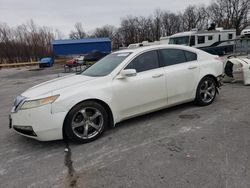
(181, 71)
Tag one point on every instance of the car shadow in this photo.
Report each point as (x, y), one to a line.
(153, 115)
(29, 142)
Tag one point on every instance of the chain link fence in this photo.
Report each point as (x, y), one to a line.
(242, 46)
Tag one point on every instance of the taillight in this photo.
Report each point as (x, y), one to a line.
(218, 58)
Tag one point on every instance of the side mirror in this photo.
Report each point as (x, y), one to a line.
(127, 73)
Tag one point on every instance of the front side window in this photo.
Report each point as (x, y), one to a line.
(144, 62)
(201, 39)
(230, 36)
(106, 65)
(172, 56)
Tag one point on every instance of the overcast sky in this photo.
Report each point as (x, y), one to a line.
(63, 14)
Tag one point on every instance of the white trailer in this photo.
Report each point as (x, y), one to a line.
(218, 41)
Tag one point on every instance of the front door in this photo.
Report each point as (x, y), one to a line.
(144, 92)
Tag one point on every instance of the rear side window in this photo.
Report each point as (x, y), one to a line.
(190, 56)
(172, 56)
(144, 62)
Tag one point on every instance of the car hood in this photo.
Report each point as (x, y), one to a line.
(47, 88)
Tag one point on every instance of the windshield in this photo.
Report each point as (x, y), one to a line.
(106, 65)
(180, 40)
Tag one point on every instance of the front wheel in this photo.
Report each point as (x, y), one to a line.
(86, 122)
(206, 91)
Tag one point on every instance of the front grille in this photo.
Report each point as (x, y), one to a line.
(24, 131)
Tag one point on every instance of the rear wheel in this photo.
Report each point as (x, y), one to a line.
(86, 122)
(206, 91)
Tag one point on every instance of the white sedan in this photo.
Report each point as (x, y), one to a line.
(122, 85)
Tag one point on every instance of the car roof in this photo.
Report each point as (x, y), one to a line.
(161, 46)
(201, 54)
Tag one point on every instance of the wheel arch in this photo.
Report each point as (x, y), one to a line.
(214, 78)
(104, 104)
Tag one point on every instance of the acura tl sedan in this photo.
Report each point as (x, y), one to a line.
(122, 85)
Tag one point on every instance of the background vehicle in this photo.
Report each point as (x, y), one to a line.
(71, 63)
(80, 59)
(238, 68)
(246, 32)
(46, 62)
(95, 55)
(120, 86)
(217, 42)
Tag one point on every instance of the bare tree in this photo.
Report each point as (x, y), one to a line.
(157, 24)
(235, 13)
(78, 33)
(195, 17)
(216, 14)
(105, 31)
(26, 42)
(171, 23)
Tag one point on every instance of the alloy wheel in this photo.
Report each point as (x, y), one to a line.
(207, 91)
(87, 123)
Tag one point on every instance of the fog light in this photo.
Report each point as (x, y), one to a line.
(26, 130)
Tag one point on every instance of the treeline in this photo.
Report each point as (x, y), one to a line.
(25, 43)
(223, 13)
(30, 42)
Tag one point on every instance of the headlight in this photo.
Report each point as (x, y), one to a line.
(38, 102)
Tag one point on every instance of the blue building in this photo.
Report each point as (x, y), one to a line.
(81, 46)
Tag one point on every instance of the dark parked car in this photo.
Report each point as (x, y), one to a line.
(95, 56)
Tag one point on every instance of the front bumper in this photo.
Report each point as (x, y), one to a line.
(45, 126)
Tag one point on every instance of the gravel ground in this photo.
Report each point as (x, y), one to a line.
(184, 146)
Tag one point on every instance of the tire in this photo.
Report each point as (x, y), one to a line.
(85, 122)
(206, 91)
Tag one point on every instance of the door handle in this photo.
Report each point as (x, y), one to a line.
(157, 75)
(192, 67)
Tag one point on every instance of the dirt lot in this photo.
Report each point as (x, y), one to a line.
(185, 146)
